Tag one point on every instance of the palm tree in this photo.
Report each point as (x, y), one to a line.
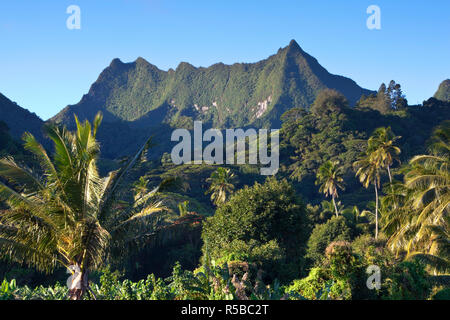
(356, 214)
(329, 177)
(70, 216)
(140, 188)
(419, 225)
(221, 185)
(438, 255)
(381, 145)
(327, 208)
(429, 181)
(368, 171)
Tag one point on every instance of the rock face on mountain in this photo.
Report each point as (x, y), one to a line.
(443, 92)
(224, 96)
(19, 120)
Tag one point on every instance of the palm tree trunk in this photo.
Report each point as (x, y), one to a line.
(79, 286)
(376, 211)
(390, 180)
(335, 208)
(389, 174)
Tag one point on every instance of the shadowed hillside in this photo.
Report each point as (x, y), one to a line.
(19, 119)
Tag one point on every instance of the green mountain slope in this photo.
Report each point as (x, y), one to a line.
(19, 119)
(308, 140)
(223, 95)
(8, 146)
(443, 92)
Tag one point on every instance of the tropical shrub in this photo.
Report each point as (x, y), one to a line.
(336, 279)
(406, 281)
(336, 228)
(265, 224)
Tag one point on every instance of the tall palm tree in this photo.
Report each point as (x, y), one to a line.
(329, 176)
(382, 146)
(420, 223)
(70, 216)
(368, 171)
(221, 185)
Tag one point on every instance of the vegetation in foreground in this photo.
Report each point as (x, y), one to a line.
(263, 242)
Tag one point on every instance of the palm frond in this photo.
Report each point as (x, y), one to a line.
(437, 263)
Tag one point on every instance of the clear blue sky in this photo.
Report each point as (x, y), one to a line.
(44, 66)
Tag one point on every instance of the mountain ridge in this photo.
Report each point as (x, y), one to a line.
(19, 120)
(443, 92)
(236, 95)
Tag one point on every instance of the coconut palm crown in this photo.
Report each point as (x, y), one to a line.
(329, 176)
(69, 215)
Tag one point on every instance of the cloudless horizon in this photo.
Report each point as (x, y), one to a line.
(45, 66)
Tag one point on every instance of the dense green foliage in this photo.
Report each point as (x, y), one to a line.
(416, 211)
(265, 224)
(340, 135)
(387, 99)
(337, 228)
(343, 274)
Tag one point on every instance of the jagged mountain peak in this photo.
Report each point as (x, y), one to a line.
(443, 92)
(294, 46)
(234, 95)
(185, 66)
(141, 60)
(116, 62)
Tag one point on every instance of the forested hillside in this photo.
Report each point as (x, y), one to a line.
(334, 131)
